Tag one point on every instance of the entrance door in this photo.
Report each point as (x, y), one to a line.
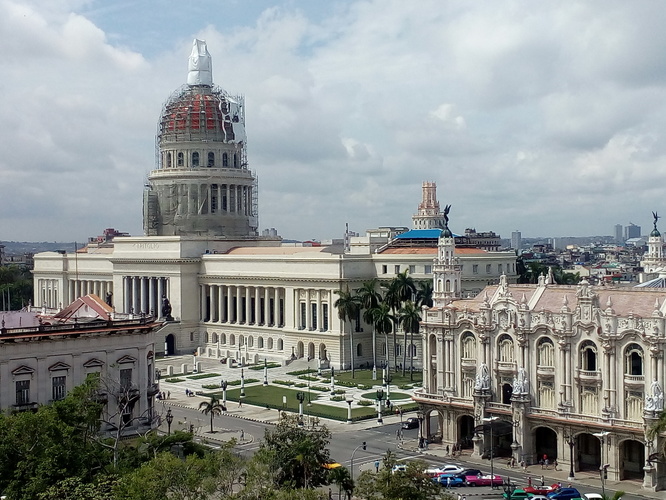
(170, 344)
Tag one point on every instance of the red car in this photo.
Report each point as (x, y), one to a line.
(483, 480)
(540, 490)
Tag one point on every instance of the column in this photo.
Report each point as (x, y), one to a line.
(228, 198)
(202, 302)
(257, 305)
(160, 293)
(230, 314)
(248, 305)
(152, 303)
(144, 294)
(220, 303)
(308, 311)
(276, 306)
(136, 282)
(127, 294)
(214, 311)
(320, 319)
(267, 318)
(239, 311)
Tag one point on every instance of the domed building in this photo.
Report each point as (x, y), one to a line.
(201, 184)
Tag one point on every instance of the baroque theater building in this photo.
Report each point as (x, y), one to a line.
(226, 291)
(571, 373)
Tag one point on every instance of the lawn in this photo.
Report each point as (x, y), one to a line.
(271, 397)
(365, 377)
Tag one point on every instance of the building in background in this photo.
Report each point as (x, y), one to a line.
(619, 239)
(516, 241)
(632, 231)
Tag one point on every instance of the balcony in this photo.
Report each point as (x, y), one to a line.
(506, 367)
(635, 380)
(545, 370)
(588, 375)
(468, 363)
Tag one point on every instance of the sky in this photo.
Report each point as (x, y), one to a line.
(543, 117)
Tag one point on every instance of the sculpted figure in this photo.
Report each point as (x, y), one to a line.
(482, 378)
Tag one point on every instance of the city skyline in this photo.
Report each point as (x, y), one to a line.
(546, 120)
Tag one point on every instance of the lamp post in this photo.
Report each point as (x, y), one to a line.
(389, 379)
(492, 470)
(351, 461)
(571, 442)
(419, 415)
(242, 393)
(223, 385)
(602, 467)
(380, 399)
(349, 400)
(169, 419)
(332, 381)
(265, 372)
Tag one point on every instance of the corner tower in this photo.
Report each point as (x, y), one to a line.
(447, 270)
(201, 185)
(428, 215)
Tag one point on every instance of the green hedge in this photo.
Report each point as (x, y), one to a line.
(204, 375)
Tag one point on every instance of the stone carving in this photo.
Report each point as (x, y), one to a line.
(657, 396)
(482, 378)
(520, 382)
(649, 404)
(166, 309)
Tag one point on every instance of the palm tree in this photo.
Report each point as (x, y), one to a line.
(400, 289)
(382, 320)
(424, 294)
(212, 407)
(410, 319)
(348, 306)
(657, 429)
(369, 299)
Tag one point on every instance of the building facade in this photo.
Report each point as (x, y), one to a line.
(573, 373)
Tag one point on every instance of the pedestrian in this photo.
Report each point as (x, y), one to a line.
(523, 465)
(242, 435)
(168, 394)
(330, 494)
(397, 434)
(448, 482)
(529, 481)
(447, 452)
(376, 465)
(542, 481)
(559, 484)
(240, 403)
(555, 464)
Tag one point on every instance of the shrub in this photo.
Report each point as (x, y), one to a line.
(308, 377)
(174, 380)
(337, 398)
(203, 375)
(319, 388)
(302, 372)
(283, 382)
(365, 402)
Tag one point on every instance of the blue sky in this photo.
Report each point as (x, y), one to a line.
(546, 118)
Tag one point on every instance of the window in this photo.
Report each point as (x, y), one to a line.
(411, 352)
(468, 347)
(22, 392)
(126, 379)
(225, 160)
(589, 357)
(384, 269)
(427, 269)
(59, 388)
(634, 360)
(211, 159)
(359, 350)
(313, 307)
(412, 269)
(396, 269)
(475, 268)
(195, 159)
(191, 336)
(546, 353)
(488, 269)
(181, 159)
(499, 268)
(505, 349)
(168, 160)
(398, 350)
(303, 318)
(235, 160)
(324, 311)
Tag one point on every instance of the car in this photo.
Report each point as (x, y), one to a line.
(449, 480)
(538, 497)
(399, 468)
(484, 480)
(469, 472)
(451, 469)
(517, 494)
(411, 423)
(564, 494)
(541, 490)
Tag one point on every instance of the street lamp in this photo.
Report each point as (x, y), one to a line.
(602, 467)
(349, 412)
(169, 419)
(223, 386)
(332, 381)
(242, 393)
(351, 461)
(301, 397)
(380, 398)
(492, 470)
(570, 440)
(265, 372)
(419, 415)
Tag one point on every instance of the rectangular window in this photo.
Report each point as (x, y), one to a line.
(412, 269)
(303, 316)
(324, 311)
(499, 268)
(427, 269)
(487, 268)
(271, 311)
(396, 269)
(384, 269)
(281, 312)
(59, 388)
(126, 379)
(22, 392)
(475, 268)
(313, 307)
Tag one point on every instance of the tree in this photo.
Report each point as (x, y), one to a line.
(342, 478)
(424, 294)
(297, 454)
(16, 287)
(381, 319)
(399, 289)
(369, 298)
(410, 319)
(212, 408)
(348, 306)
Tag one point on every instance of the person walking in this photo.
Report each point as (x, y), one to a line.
(240, 403)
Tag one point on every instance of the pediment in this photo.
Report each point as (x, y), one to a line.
(59, 366)
(93, 363)
(23, 370)
(126, 359)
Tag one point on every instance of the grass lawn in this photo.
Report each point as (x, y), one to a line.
(394, 396)
(365, 377)
(271, 397)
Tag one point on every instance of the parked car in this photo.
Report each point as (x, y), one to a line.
(564, 494)
(411, 423)
(538, 497)
(517, 494)
(451, 469)
(449, 480)
(433, 471)
(485, 480)
(541, 490)
(399, 468)
(469, 472)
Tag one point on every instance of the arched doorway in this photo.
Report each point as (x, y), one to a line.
(322, 352)
(465, 431)
(545, 443)
(299, 349)
(170, 345)
(507, 392)
(311, 351)
(588, 452)
(632, 459)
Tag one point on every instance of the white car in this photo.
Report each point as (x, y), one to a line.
(451, 469)
(399, 468)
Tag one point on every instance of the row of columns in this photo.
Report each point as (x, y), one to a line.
(313, 312)
(81, 288)
(143, 294)
(242, 304)
(225, 199)
(48, 293)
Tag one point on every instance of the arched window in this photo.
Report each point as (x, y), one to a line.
(546, 353)
(398, 349)
(232, 339)
(468, 346)
(634, 360)
(588, 356)
(181, 159)
(211, 159)
(505, 346)
(270, 342)
(168, 160)
(250, 341)
(206, 339)
(280, 345)
(411, 353)
(260, 342)
(359, 350)
(225, 160)
(223, 338)
(195, 159)
(214, 338)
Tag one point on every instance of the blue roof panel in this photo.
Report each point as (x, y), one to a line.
(420, 234)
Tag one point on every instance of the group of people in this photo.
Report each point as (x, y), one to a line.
(456, 449)
(189, 393)
(163, 395)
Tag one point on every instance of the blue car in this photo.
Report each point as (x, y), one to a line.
(449, 480)
(564, 494)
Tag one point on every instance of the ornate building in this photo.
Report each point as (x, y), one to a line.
(575, 373)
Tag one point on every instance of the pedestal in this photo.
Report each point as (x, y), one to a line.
(649, 477)
(478, 446)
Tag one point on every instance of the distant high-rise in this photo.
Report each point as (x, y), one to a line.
(516, 240)
(632, 231)
(618, 234)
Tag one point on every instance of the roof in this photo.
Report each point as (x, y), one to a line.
(420, 233)
(430, 251)
(278, 250)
